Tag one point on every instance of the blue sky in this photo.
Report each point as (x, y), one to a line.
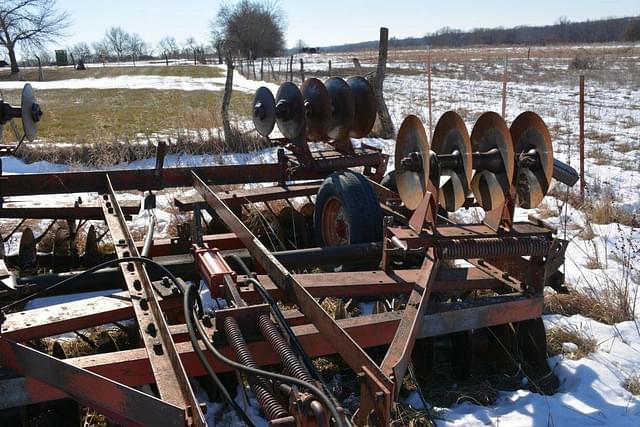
(328, 22)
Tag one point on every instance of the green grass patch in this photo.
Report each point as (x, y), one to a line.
(107, 115)
(98, 71)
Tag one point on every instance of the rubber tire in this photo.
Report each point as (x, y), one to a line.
(359, 202)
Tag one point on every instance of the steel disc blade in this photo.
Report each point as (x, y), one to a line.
(366, 107)
(342, 108)
(290, 110)
(317, 104)
(412, 138)
(264, 111)
(529, 132)
(488, 190)
(27, 250)
(489, 132)
(449, 136)
(452, 193)
(30, 112)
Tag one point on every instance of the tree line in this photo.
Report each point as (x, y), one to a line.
(244, 29)
(563, 31)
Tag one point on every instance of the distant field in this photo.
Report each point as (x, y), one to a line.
(107, 115)
(98, 71)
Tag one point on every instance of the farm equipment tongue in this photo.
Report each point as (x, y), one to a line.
(478, 287)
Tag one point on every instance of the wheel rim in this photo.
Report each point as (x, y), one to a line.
(335, 227)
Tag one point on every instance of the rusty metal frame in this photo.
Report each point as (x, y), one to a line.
(170, 376)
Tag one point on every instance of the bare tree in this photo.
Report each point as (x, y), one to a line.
(101, 50)
(117, 39)
(169, 46)
(300, 45)
(31, 23)
(254, 28)
(81, 51)
(135, 46)
(190, 45)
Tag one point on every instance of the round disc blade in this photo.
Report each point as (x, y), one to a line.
(317, 104)
(489, 132)
(451, 135)
(342, 108)
(528, 132)
(264, 111)
(290, 110)
(366, 107)
(27, 250)
(412, 138)
(30, 112)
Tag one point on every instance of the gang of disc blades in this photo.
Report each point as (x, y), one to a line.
(290, 111)
(264, 111)
(366, 107)
(412, 184)
(451, 136)
(529, 132)
(30, 112)
(492, 188)
(317, 106)
(342, 108)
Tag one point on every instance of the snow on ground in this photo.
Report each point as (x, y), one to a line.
(591, 391)
(187, 83)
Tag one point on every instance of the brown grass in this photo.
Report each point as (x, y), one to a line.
(609, 306)
(632, 384)
(558, 335)
(98, 71)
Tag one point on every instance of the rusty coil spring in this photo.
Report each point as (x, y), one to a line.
(493, 247)
(260, 387)
(292, 365)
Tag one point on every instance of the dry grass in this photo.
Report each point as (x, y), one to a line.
(632, 384)
(609, 306)
(98, 71)
(110, 115)
(558, 335)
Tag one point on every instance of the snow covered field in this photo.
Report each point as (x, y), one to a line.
(591, 390)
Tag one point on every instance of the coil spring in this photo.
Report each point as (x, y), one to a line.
(493, 247)
(292, 365)
(260, 387)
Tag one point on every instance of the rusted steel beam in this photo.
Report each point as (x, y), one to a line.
(91, 389)
(398, 355)
(89, 312)
(85, 211)
(261, 194)
(169, 374)
(153, 179)
(132, 368)
(348, 349)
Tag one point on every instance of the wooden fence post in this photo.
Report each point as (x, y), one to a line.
(386, 124)
(302, 69)
(329, 68)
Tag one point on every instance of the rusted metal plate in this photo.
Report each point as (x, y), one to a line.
(32, 210)
(176, 246)
(87, 387)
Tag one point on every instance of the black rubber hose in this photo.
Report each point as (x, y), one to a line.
(188, 301)
(266, 374)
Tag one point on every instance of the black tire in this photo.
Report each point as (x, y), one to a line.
(359, 217)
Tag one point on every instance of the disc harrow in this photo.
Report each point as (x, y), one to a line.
(383, 244)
